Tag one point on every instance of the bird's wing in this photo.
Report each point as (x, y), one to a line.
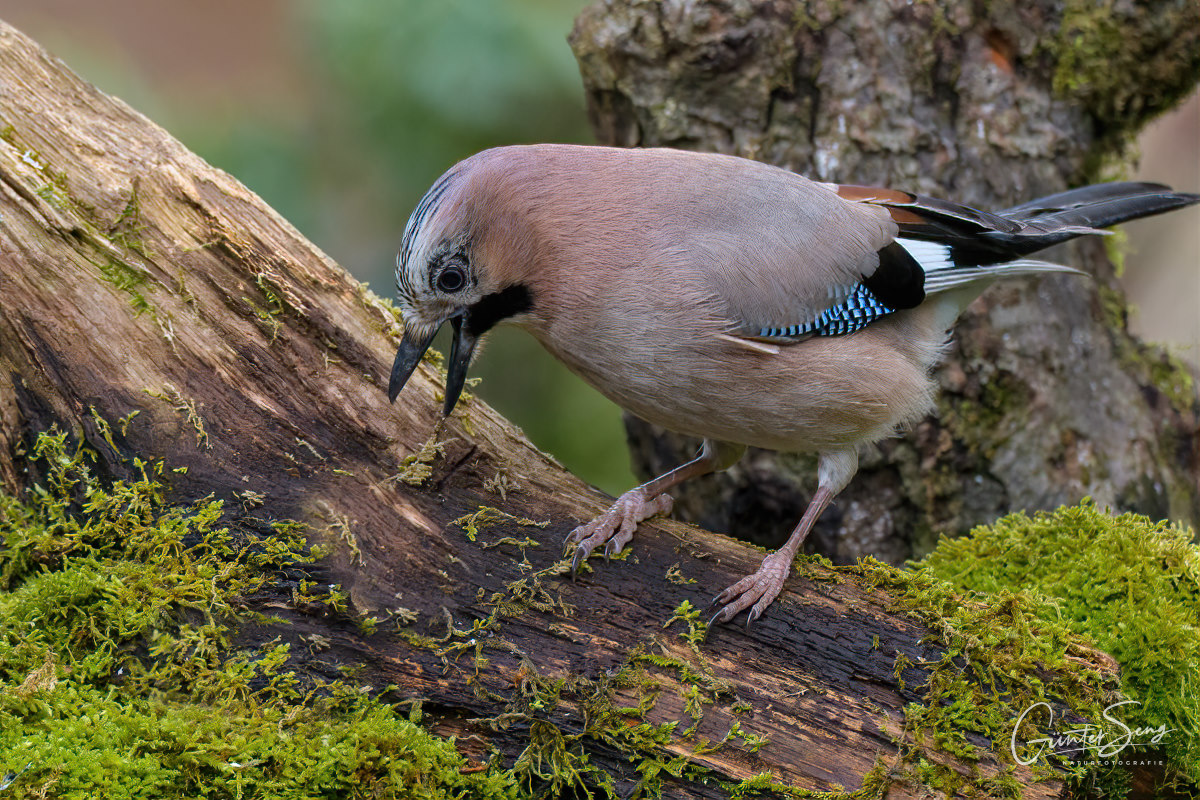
(930, 246)
(776, 251)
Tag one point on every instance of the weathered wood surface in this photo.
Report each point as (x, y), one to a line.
(1045, 395)
(137, 278)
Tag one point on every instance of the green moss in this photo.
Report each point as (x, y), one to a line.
(185, 406)
(126, 232)
(1113, 307)
(813, 17)
(416, 468)
(1174, 379)
(555, 762)
(112, 243)
(127, 278)
(980, 422)
(999, 655)
(487, 516)
(118, 677)
(55, 191)
(675, 575)
(1089, 35)
(613, 707)
(875, 784)
(1116, 246)
(339, 531)
(1126, 584)
(268, 316)
(1122, 80)
(391, 321)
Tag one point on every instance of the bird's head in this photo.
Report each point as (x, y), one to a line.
(442, 275)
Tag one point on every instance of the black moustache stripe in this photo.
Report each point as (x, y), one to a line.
(484, 315)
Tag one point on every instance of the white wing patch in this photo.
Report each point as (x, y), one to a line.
(941, 273)
(930, 255)
(940, 282)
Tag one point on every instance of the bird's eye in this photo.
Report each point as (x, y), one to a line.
(451, 279)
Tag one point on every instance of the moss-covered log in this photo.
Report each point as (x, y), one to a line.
(153, 308)
(1045, 395)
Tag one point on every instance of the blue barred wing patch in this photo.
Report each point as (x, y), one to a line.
(859, 309)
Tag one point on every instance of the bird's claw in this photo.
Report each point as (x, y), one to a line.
(755, 592)
(580, 555)
(614, 528)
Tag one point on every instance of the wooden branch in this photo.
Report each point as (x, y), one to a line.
(137, 278)
(1045, 395)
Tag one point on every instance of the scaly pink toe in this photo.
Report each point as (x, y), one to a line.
(615, 527)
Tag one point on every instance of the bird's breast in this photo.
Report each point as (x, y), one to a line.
(809, 396)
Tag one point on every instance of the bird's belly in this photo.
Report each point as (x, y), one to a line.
(811, 396)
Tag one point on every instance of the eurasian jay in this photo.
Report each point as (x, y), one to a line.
(721, 298)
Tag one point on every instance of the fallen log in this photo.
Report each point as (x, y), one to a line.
(142, 285)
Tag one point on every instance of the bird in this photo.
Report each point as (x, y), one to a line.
(722, 298)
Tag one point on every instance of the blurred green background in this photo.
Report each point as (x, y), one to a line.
(375, 99)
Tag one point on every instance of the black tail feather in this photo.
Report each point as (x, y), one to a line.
(1100, 205)
(1037, 224)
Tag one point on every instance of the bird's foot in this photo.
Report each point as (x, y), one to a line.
(614, 528)
(759, 590)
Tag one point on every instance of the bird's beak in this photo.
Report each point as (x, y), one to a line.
(461, 350)
(413, 347)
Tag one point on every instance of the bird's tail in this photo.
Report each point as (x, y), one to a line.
(957, 245)
(1059, 217)
(960, 250)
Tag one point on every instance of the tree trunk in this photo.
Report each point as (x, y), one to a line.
(137, 278)
(1045, 395)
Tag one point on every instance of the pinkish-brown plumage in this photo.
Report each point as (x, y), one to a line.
(721, 298)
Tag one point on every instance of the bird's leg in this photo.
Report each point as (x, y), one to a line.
(834, 471)
(764, 586)
(614, 528)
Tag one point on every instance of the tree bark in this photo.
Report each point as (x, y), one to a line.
(137, 278)
(1045, 395)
